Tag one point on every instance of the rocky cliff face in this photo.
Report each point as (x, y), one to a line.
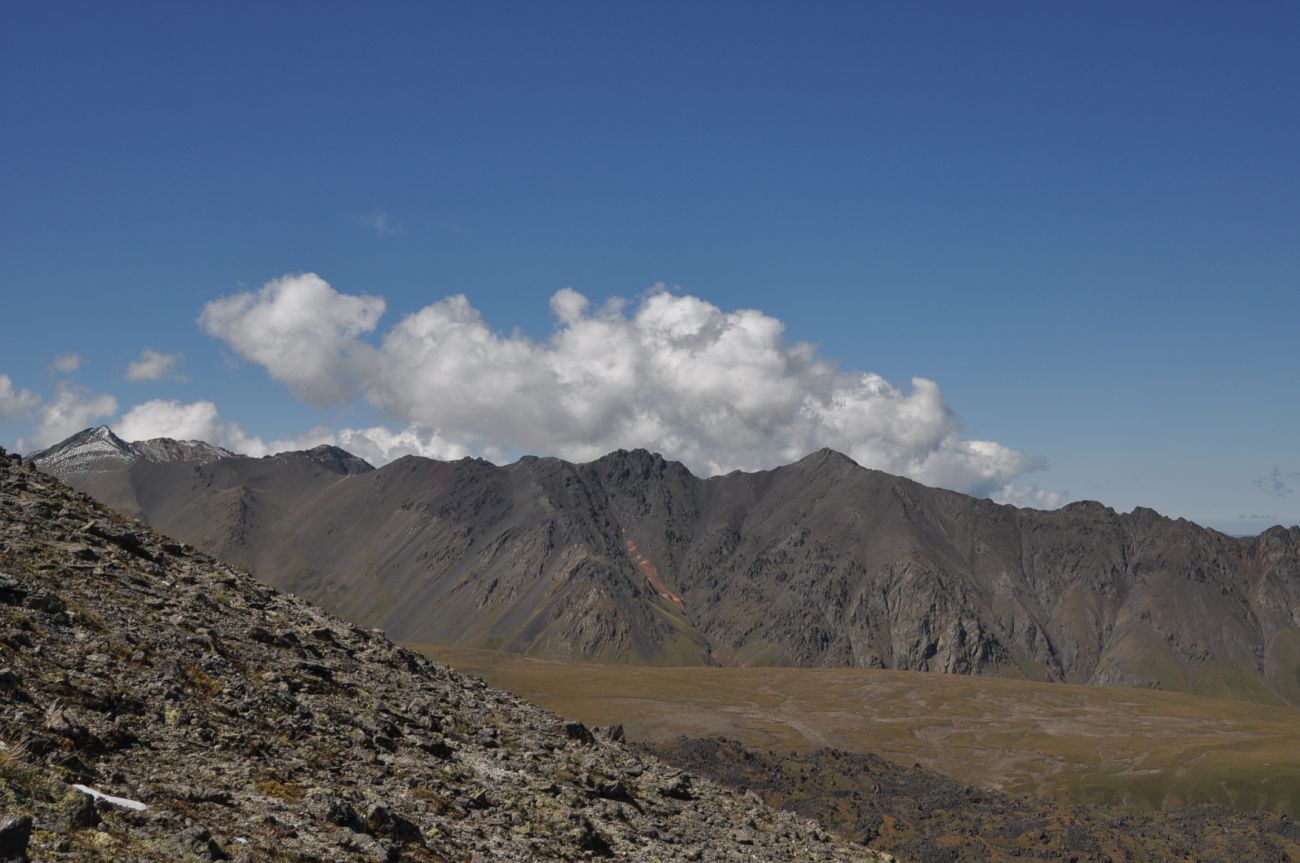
(162, 706)
(822, 562)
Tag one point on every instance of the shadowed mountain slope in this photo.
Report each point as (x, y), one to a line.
(821, 562)
(226, 720)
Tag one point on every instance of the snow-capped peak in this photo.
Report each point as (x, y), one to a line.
(98, 449)
(92, 449)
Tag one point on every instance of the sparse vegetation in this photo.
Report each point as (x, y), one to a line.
(20, 782)
(203, 682)
(273, 786)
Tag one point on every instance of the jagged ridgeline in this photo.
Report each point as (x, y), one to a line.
(161, 706)
(630, 558)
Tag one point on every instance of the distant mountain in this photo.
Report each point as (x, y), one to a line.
(98, 449)
(630, 558)
(92, 449)
(160, 706)
(103, 465)
(163, 449)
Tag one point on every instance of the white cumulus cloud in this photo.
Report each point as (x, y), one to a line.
(154, 366)
(1031, 495)
(717, 390)
(379, 445)
(303, 332)
(169, 418)
(16, 404)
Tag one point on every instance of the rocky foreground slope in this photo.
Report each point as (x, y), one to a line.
(229, 720)
(630, 558)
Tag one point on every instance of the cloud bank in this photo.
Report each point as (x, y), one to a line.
(717, 390)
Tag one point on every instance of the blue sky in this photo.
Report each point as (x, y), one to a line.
(1080, 221)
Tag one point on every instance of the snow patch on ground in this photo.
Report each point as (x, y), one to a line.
(108, 798)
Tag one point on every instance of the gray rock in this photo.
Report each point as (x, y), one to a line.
(8, 680)
(198, 841)
(577, 731)
(678, 788)
(79, 810)
(15, 834)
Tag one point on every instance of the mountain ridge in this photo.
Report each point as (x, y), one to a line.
(98, 448)
(629, 557)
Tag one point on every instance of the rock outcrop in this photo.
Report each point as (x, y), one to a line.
(161, 706)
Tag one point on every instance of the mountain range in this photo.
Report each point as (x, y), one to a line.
(631, 558)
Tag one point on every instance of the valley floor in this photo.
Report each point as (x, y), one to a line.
(1004, 769)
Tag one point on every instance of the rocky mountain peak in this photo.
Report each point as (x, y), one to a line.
(330, 457)
(98, 449)
(164, 449)
(1281, 533)
(639, 465)
(89, 450)
(1087, 507)
(827, 458)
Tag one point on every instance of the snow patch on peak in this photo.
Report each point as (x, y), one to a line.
(163, 449)
(93, 449)
(99, 449)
